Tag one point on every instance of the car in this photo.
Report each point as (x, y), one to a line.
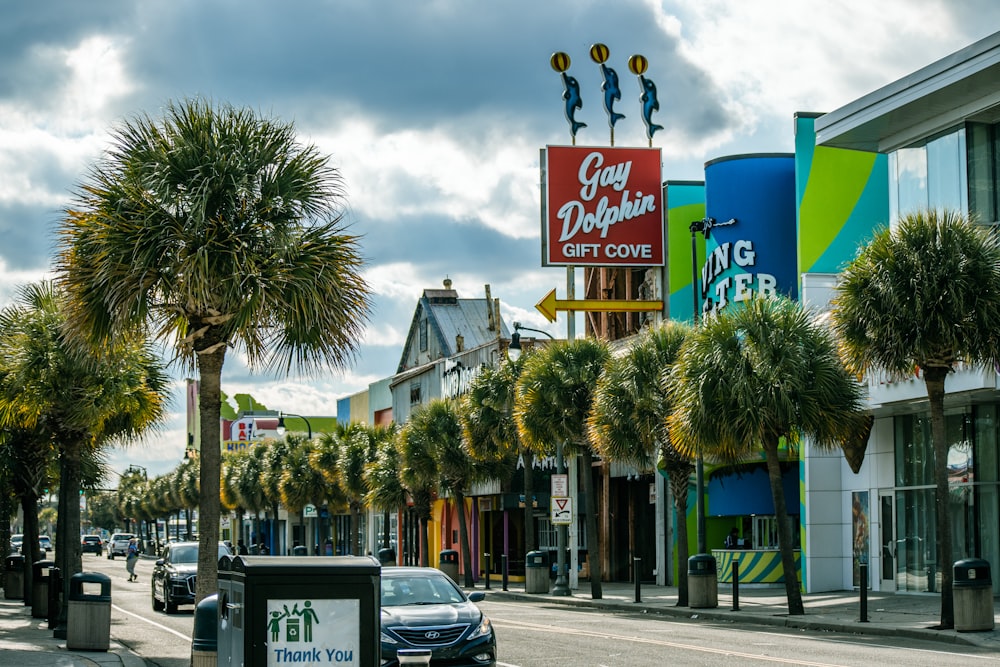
(422, 608)
(92, 543)
(175, 575)
(118, 544)
(45, 543)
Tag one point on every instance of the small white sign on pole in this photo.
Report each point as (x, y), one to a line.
(560, 486)
(562, 511)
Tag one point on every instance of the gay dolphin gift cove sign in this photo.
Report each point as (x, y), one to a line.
(601, 206)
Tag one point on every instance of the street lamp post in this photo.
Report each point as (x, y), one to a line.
(561, 585)
(281, 423)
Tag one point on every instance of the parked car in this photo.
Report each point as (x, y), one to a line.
(423, 608)
(45, 543)
(118, 544)
(175, 575)
(92, 543)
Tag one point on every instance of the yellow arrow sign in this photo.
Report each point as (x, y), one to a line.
(550, 304)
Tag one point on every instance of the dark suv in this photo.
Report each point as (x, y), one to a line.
(175, 574)
(92, 543)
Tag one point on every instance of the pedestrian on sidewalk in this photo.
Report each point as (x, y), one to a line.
(131, 558)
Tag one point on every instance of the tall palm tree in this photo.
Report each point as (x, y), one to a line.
(86, 400)
(274, 459)
(232, 501)
(629, 421)
(357, 448)
(250, 488)
(215, 227)
(756, 374)
(924, 294)
(301, 484)
(383, 489)
(554, 395)
(419, 475)
(491, 432)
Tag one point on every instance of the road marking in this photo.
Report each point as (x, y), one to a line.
(153, 623)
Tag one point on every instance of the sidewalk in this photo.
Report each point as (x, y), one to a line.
(913, 616)
(28, 642)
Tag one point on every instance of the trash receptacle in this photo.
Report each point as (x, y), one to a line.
(973, 595)
(205, 634)
(40, 588)
(300, 550)
(448, 563)
(703, 582)
(536, 572)
(88, 616)
(13, 588)
(387, 557)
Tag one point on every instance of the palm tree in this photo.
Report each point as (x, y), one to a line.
(554, 395)
(419, 475)
(274, 458)
(229, 491)
(250, 487)
(301, 484)
(924, 294)
(214, 228)
(383, 489)
(756, 374)
(357, 448)
(491, 432)
(629, 421)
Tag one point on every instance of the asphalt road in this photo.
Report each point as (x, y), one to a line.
(543, 635)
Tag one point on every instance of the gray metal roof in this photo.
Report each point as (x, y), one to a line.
(962, 86)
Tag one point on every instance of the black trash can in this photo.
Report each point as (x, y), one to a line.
(703, 582)
(205, 634)
(536, 572)
(387, 557)
(300, 550)
(973, 595)
(448, 563)
(88, 620)
(40, 588)
(13, 587)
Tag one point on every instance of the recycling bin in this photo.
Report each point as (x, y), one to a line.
(281, 609)
(13, 587)
(703, 582)
(40, 588)
(448, 563)
(387, 557)
(536, 572)
(205, 634)
(972, 589)
(88, 616)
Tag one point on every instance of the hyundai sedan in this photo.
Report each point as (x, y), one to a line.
(423, 609)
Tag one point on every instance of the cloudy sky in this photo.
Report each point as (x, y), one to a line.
(434, 113)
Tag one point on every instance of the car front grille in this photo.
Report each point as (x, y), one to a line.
(431, 636)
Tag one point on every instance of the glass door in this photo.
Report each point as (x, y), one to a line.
(887, 537)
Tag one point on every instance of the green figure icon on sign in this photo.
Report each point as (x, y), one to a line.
(308, 617)
(274, 625)
(294, 619)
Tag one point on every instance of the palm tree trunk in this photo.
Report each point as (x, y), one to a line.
(68, 529)
(385, 529)
(593, 539)
(209, 407)
(530, 543)
(680, 485)
(792, 590)
(934, 381)
(29, 543)
(463, 534)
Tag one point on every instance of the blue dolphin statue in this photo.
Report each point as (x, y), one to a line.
(573, 102)
(611, 93)
(649, 105)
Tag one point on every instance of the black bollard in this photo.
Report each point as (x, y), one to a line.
(55, 591)
(635, 574)
(863, 575)
(503, 567)
(736, 585)
(487, 571)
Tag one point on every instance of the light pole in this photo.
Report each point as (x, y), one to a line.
(281, 423)
(561, 585)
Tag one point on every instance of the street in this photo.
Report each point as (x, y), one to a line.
(543, 635)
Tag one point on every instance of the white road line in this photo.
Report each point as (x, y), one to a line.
(153, 623)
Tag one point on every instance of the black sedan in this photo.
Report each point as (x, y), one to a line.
(175, 574)
(423, 609)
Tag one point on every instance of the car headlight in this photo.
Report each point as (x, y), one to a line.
(386, 639)
(483, 630)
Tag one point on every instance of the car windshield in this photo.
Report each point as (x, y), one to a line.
(419, 589)
(185, 554)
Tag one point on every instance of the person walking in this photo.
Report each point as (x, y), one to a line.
(131, 558)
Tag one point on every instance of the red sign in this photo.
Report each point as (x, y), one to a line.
(602, 206)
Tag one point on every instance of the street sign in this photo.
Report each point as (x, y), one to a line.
(550, 304)
(562, 511)
(560, 485)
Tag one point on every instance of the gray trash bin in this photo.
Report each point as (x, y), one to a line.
(973, 595)
(299, 550)
(536, 572)
(703, 582)
(13, 587)
(88, 619)
(205, 633)
(40, 588)
(448, 563)
(387, 557)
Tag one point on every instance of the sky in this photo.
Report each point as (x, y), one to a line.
(433, 113)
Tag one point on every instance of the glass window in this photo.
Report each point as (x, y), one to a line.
(985, 443)
(914, 456)
(423, 335)
(911, 180)
(981, 158)
(946, 176)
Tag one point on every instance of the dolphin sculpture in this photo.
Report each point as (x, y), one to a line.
(649, 105)
(611, 93)
(573, 102)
